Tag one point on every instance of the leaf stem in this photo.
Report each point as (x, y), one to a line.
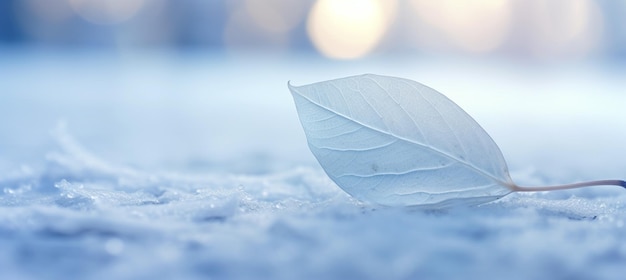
(619, 183)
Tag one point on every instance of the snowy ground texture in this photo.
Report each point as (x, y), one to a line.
(93, 189)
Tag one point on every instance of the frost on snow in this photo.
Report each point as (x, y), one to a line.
(81, 216)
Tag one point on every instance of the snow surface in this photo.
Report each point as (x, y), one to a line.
(195, 167)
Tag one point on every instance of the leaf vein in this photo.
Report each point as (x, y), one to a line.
(415, 170)
(462, 161)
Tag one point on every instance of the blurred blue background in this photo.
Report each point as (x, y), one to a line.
(201, 85)
(535, 29)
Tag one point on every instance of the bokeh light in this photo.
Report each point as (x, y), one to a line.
(347, 29)
(338, 29)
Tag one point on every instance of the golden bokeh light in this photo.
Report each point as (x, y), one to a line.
(473, 26)
(106, 11)
(347, 29)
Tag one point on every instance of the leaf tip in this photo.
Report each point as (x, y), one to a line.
(291, 87)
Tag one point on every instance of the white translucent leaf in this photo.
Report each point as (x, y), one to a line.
(397, 142)
(394, 141)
